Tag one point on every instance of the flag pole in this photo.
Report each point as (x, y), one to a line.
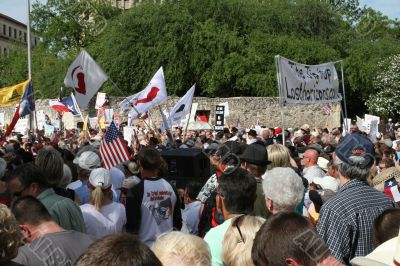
(77, 106)
(126, 98)
(281, 101)
(171, 139)
(28, 26)
(187, 122)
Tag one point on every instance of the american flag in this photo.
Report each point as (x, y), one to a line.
(113, 150)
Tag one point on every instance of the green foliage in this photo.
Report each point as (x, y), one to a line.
(226, 47)
(386, 102)
(48, 70)
(71, 24)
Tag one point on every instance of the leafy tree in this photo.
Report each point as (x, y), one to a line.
(386, 102)
(226, 47)
(48, 70)
(71, 24)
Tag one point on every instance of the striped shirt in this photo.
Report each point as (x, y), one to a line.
(346, 220)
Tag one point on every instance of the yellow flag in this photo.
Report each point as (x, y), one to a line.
(85, 124)
(12, 95)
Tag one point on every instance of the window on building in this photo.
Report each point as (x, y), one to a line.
(24, 36)
(9, 31)
(5, 50)
(15, 33)
(4, 29)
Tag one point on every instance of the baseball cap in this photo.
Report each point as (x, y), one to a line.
(100, 177)
(88, 160)
(255, 154)
(323, 163)
(356, 150)
(327, 182)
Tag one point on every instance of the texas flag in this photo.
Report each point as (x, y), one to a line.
(155, 93)
(394, 193)
(25, 106)
(66, 105)
(86, 77)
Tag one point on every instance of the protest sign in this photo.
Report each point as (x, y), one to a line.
(219, 117)
(100, 100)
(1, 119)
(308, 84)
(128, 134)
(41, 119)
(93, 122)
(22, 125)
(373, 129)
(226, 105)
(48, 130)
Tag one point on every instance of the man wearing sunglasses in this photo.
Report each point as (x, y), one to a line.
(236, 195)
(28, 179)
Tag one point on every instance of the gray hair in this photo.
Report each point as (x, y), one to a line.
(353, 171)
(67, 177)
(284, 187)
(51, 163)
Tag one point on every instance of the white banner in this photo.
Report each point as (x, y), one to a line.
(308, 84)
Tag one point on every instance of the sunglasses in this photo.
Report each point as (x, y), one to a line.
(236, 224)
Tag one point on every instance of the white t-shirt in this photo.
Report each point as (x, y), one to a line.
(109, 220)
(191, 218)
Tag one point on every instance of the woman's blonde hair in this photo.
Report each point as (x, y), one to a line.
(180, 249)
(238, 240)
(10, 235)
(278, 155)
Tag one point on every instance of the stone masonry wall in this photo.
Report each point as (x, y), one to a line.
(242, 109)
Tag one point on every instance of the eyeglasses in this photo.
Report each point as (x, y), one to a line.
(235, 224)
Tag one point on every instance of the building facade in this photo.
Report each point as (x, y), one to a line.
(13, 33)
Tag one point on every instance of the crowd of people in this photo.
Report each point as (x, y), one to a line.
(298, 196)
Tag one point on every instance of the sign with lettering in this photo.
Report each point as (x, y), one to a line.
(219, 117)
(308, 84)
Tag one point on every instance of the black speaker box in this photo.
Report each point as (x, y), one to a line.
(185, 165)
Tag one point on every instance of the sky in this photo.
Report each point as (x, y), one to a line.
(17, 8)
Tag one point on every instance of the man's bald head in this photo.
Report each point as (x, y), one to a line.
(310, 157)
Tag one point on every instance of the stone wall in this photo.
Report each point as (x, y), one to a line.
(242, 109)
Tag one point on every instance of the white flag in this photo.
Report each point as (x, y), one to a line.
(182, 107)
(154, 93)
(86, 76)
(127, 103)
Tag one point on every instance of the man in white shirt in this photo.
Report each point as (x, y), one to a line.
(310, 166)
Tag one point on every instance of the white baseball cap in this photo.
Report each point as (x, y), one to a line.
(100, 177)
(88, 160)
(327, 182)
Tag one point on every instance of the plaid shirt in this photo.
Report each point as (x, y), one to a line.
(346, 220)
